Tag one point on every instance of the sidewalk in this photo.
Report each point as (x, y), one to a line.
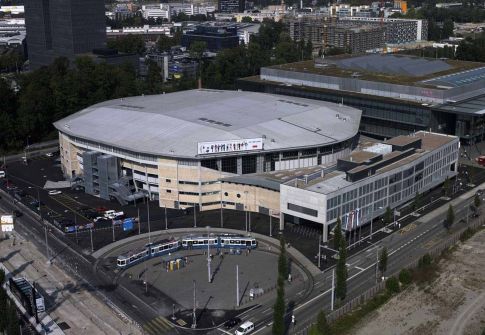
(68, 303)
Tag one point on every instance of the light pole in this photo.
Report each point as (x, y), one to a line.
(246, 208)
(208, 257)
(333, 289)
(166, 221)
(148, 221)
(237, 285)
(222, 215)
(270, 223)
(91, 236)
(195, 216)
(194, 317)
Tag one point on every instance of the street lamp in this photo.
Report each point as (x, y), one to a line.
(208, 256)
(195, 216)
(246, 209)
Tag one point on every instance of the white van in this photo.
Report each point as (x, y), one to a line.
(246, 328)
(2, 174)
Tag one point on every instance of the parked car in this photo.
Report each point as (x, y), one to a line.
(232, 323)
(54, 192)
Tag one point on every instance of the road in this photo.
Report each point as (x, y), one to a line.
(403, 248)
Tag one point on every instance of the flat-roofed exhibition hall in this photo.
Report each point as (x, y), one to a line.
(398, 94)
(176, 147)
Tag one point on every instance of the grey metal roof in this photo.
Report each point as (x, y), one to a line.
(172, 124)
(470, 106)
(393, 64)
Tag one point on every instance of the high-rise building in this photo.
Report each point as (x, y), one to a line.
(231, 6)
(66, 28)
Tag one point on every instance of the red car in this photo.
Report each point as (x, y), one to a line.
(101, 209)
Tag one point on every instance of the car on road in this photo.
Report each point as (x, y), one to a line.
(49, 154)
(54, 192)
(246, 328)
(232, 323)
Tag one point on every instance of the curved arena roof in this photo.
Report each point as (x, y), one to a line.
(173, 124)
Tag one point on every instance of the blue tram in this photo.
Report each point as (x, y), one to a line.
(225, 241)
(220, 241)
(158, 248)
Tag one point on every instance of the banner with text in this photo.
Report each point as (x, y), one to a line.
(205, 148)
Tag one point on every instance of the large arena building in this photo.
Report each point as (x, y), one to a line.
(176, 148)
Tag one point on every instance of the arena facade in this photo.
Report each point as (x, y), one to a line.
(176, 148)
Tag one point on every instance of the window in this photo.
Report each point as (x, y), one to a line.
(408, 172)
(169, 191)
(290, 154)
(303, 210)
(210, 164)
(168, 181)
(395, 178)
(229, 164)
(248, 164)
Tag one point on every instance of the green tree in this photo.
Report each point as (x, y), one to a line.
(388, 215)
(164, 43)
(447, 29)
(321, 327)
(129, 44)
(279, 306)
(477, 201)
(417, 201)
(337, 234)
(405, 277)
(286, 50)
(392, 285)
(341, 271)
(383, 261)
(308, 50)
(246, 19)
(450, 218)
(446, 187)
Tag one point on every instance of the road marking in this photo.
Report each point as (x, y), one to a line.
(359, 268)
(224, 331)
(266, 311)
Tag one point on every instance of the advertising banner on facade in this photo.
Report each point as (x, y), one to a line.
(6, 222)
(249, 144)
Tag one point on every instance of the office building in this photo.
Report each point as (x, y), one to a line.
(217, 37)
(368, 181)
(231, 6)
(65, 28)
(353, 39)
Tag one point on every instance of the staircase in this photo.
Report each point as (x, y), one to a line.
(122, 191)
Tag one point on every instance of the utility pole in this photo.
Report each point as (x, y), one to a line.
(46, 245)
(222, 216)
(270, 226)
(249, 220)
(208, 257)
(195, 216)
(237, 285)
(91, 235)
(333, 289)
(139, 222)
(377, 261)
(194, 317)
(148, 220)
(75, 225)
(166, 221)
(113, 228)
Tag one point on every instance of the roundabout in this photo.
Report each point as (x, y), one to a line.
(236, 280)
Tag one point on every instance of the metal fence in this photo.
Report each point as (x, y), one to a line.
(373, 291)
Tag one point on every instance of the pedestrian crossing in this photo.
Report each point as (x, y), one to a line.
(158, 325)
